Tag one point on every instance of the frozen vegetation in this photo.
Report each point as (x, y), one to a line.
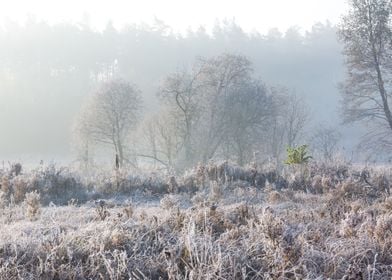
(218, 221)
(190, 215)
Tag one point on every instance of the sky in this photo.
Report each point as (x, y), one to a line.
(180, 15)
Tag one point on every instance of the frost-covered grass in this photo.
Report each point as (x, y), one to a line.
(215, 222)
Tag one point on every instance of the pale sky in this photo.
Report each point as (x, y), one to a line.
(251, 15)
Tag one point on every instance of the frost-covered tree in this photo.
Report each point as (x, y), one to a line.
(249, 109)
(161, 138)
(111, 114)
(289, 118)
(218, 110)
(296, 114)
(366, 32)
(181, 93)
(82, 142)
(224, 77)
(324, 141)
(201, 99)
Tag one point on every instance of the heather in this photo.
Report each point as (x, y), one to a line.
(217, 221)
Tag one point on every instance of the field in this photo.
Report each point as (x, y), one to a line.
(218, 221)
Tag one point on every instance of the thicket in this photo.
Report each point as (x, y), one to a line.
(59, 185)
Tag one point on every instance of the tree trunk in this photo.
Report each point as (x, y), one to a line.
(381, 87)
(120, 153)
(86, 156)
(380, 80)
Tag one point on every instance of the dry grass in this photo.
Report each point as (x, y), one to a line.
(225, 224)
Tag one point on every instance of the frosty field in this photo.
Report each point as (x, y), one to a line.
(216, 222)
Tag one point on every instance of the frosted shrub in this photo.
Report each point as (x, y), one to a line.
(198, 199)
(57, 185)
(383, 229)
(128, 211)
(16, 169)
(216, 191)
(19, 187)
(169, 202)
(201, 174)
(172, 185)
(326, 183)
(317, 184)
(101, 210)
(275, 197)
(388, 203)
(5, 184)
(3, 199)
(351, 224)
(33, 205)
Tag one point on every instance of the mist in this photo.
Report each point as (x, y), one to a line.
(48, 71)
(221, 140)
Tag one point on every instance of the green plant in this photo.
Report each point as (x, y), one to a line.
(297, 155)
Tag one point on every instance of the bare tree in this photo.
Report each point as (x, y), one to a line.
(367, 36)
(289, 118)
(181, 94)
(249, 113)
(113, 112)
(81, 139)
(197, 98)
(223, 77)
(296, 117)
(162, 139)
(222, 111)
(325, 141)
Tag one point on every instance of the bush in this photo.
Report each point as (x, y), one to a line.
(297, 155)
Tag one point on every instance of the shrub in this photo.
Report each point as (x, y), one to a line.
(33, 205)
(297, 155)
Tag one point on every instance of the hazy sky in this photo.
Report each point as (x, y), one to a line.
(259, 15)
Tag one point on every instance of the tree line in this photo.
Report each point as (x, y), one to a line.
(47, 71)
(218, 109)
(215, 110)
